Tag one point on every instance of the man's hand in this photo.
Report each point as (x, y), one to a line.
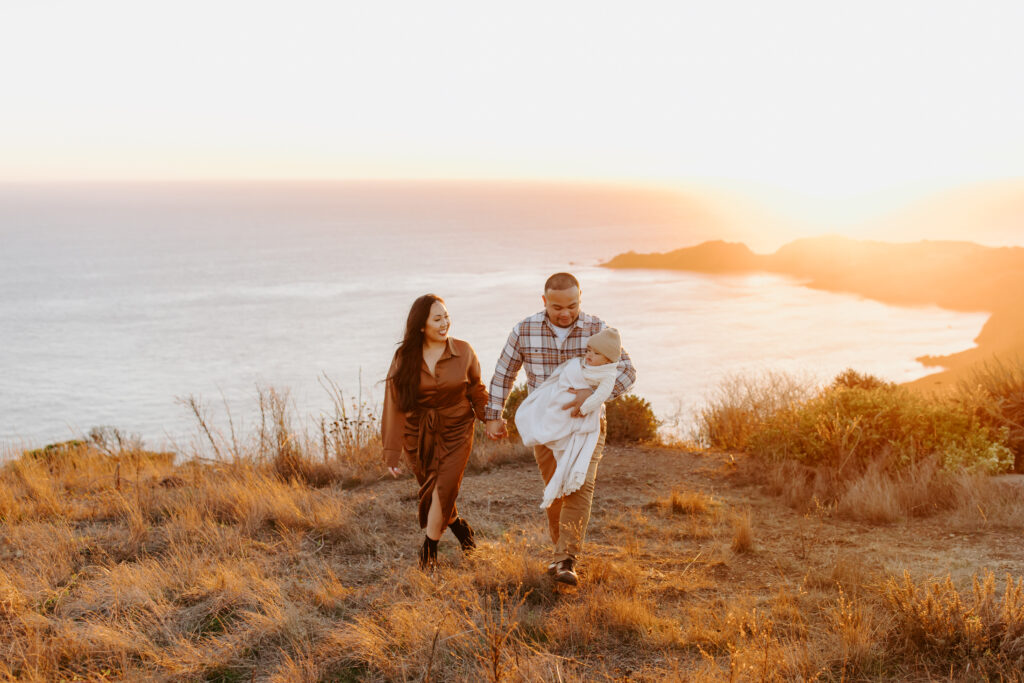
(394, 472)
(574, 405)
(496, 429)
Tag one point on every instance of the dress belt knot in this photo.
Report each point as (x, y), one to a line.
(426, 438)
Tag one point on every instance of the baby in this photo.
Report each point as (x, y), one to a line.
(542, 418)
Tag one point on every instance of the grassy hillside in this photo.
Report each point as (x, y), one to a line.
(840, 533)
(281, 564)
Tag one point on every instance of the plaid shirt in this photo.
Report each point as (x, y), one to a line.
(533, 345)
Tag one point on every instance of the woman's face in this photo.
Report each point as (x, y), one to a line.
(438, 323)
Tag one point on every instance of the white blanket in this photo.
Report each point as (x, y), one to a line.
(541, 420)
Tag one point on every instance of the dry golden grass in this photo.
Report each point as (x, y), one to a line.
(741, 404)
(690, 502)
(879, 496)
(982, 627)
(856, 625)
(487, 455)
(742, 533)
(126, 565)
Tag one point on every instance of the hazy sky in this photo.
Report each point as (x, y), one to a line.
(824, 99)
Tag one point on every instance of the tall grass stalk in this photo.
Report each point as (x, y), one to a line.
(741, 404)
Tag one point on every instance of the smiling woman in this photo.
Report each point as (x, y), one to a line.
(434, 392)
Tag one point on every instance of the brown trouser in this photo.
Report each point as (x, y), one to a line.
(568, 516)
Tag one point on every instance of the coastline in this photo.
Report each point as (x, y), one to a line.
(958, 276)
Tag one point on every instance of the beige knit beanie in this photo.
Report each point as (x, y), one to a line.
(607, 343)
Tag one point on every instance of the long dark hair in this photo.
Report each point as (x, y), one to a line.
(409, 354)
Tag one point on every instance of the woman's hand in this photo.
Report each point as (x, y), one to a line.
(496, 429)
(395, 471)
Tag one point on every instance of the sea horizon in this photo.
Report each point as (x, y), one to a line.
(119, 303)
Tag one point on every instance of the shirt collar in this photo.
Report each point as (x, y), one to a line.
(577, 323)
(450, 351)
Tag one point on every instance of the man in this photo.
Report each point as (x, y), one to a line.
(540, 344)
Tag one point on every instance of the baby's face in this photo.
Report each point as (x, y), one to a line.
(595, 358)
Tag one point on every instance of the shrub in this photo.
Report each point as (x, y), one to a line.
(741, 404)
(515, 398)
(995, 394)
(937, 621)
(846, 428)
(113, 441)
(630, 420)
(86, 454)
(851, 379)
(856, 420)
(57, 453)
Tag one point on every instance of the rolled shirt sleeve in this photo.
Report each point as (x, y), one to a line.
(626, 378)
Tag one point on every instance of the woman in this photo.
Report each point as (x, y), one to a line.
(433, 394)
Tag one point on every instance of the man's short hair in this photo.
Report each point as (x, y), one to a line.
(560, 281)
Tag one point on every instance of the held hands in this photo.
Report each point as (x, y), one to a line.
(574, 405)
(496, 429)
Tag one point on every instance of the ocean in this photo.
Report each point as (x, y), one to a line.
(117, 301)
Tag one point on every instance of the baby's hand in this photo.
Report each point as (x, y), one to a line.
(581, 396)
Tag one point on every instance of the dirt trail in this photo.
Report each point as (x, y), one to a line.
(788, 546)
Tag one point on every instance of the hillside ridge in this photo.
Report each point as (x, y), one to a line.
(956, 275)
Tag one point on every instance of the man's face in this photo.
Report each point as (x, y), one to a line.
(562, 306)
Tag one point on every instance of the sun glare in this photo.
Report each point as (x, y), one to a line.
(826, 103)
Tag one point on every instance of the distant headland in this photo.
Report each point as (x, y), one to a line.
(960, 276)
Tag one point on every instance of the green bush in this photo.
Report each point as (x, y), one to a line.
(631, 420)
(856, 420)
(851, 379)
(57, 452)
(847, 426)
(995, 394)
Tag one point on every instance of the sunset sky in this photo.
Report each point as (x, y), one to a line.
(826, 101)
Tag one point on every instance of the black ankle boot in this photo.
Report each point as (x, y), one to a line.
(464, 532)
(428, 553)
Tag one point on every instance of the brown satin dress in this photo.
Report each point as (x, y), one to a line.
(437, 437)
